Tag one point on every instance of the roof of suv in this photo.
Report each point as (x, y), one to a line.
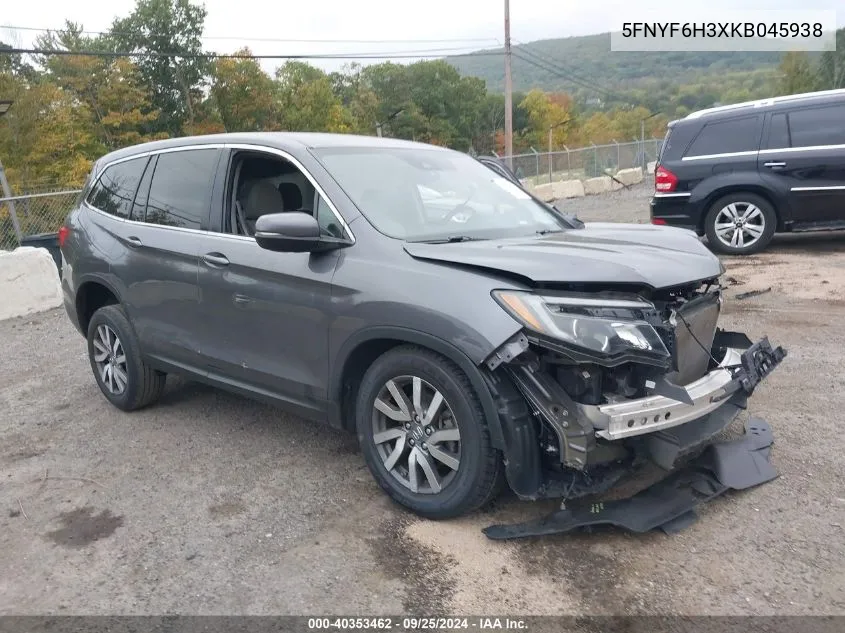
(279, 140)
(823, 96)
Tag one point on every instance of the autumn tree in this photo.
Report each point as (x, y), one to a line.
(546, 114)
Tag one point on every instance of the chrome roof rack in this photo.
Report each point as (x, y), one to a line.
(760, 103)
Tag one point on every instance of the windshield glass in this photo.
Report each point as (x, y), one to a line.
(421, 195)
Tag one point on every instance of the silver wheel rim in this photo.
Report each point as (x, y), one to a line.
(416, 435)
(110, 360)
(740, 224)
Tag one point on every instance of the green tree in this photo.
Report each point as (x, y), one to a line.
(796, 73)
(306, 100)
(175, 81)
(244, 94)
(831, 71)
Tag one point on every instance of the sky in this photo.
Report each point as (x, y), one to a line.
(468, 24)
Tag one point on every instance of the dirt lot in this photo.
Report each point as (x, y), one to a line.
(209, 503)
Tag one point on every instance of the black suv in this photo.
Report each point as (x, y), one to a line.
(467, 332)
(740, 173)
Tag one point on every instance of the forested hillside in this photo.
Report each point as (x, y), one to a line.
(674, 82)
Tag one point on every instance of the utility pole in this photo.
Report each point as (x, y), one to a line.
(508, 89)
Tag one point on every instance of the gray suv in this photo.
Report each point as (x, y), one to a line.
(467, 332)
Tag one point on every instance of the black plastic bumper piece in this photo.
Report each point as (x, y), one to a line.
(669, 504)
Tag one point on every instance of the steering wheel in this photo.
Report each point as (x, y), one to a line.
(461, 208)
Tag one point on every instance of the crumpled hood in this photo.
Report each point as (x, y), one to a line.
(655, 256)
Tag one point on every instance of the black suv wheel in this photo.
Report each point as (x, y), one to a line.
(125, 380)
(740, 224)
(424, 436)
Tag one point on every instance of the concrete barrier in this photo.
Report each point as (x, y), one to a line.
(29, 282)
(568, 189)
(630, 177)
(545, 192)
(602, 184)
(651, 167)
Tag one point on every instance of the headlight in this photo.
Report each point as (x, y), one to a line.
(574, 320)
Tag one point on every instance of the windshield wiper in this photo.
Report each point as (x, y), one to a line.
(547, 231)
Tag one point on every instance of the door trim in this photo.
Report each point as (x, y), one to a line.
(828, 188)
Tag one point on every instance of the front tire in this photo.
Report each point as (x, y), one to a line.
(115, 356)
(740, 224)
(424, 436)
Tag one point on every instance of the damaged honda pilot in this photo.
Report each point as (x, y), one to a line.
(468, 333)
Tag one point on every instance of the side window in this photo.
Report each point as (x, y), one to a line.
(725, 137)
(139, 208)
(114, 191)
(181, 188)
(818, 126)
(778, 132)
(329, 224)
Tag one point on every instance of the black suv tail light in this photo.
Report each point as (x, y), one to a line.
(664, 180)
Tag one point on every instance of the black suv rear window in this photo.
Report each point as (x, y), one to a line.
(116, 187)
(725, 137)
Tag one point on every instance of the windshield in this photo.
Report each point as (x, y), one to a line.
(433, 195)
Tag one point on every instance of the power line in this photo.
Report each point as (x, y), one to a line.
(550, 68)
(157, 54)
(558, 65)
(275, 39)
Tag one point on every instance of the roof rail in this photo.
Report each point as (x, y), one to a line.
(759, 103)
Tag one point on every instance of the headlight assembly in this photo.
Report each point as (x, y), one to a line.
(608, 327)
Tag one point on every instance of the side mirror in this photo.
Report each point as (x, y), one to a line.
(292, 232)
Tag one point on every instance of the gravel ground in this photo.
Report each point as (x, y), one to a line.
(212, 504)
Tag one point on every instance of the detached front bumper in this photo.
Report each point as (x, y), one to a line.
(738, 370)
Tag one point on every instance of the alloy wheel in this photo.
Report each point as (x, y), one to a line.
(110, 360)
(739, 224)
(416, 434)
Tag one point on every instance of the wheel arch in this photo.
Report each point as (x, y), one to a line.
(361, 349)
(757, 190)
(91, 295)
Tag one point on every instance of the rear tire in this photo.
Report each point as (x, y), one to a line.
(438, 431)
(740, 224)
(115, 356)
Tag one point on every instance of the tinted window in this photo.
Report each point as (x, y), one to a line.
(329, 224)
(818, 126)
(181, 189)
(140, 205)
(116, 188)
(723, 137)
(778, 132)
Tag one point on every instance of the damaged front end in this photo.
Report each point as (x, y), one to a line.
(598, 382)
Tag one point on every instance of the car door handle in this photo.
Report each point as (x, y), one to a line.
(241, 299)
(134, 242)
(215, 259)
(774, 165)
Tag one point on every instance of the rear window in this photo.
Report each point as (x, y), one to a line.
(115, 190)
(726, 137)
(817, 126)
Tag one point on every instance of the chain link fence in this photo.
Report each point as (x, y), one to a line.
(538, 168)
(22, 217)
